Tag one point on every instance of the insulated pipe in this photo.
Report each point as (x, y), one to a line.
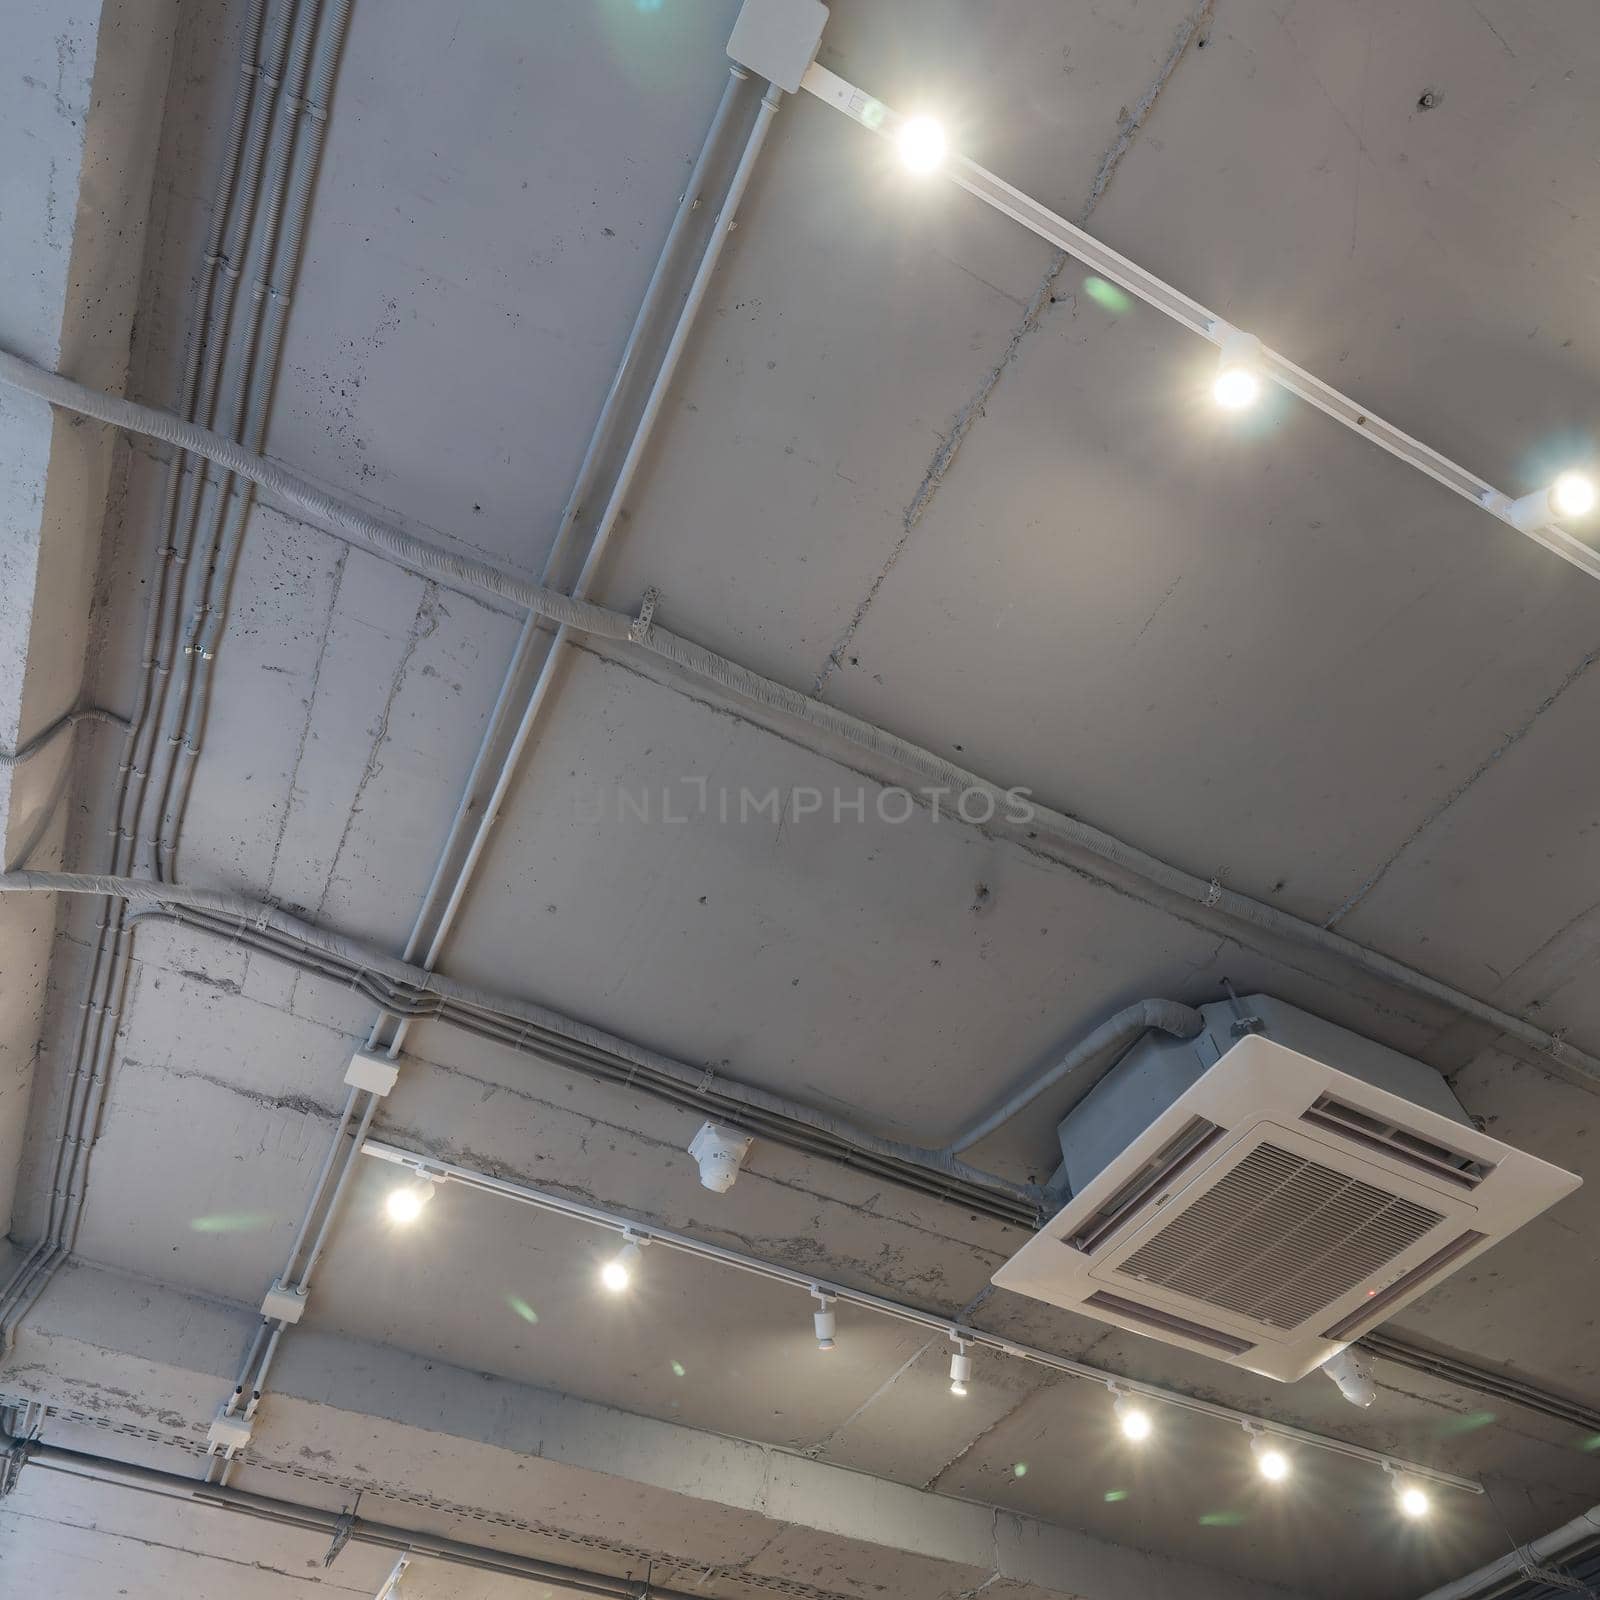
(360, 528)
(362, 1530)
(1105, 1046)
(1490, 1580)
(679, 342)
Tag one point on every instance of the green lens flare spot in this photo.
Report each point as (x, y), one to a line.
(1222, 1519)
(677, 1369)
(1106, 295)
(872, 114)
(522, 1308)
(1019, 1469)
(1468, 1422)
(1114, 1495)
(1591, 1443)
(232, 1222)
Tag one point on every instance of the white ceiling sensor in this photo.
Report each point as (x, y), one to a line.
(1241, 1198)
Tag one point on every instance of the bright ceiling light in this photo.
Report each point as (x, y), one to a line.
(1132, 1418)
(922, 144)
(1413, 1501)
(404, 1205)
(1236, 389)
(1237, 386)
(618, 1272)
(1572, 495)
(1271, 1462)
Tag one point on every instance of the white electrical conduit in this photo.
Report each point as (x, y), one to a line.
(679, 342)
(469, 575)
(878, 118)
(251, 183)
(498, 756)
(548, 1200)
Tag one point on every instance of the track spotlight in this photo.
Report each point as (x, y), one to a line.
(823, 1320)
(960, 1367)
(1132, 1418)
(1413, 1502)
(1237, 386)
(404, 1205)
(1571, 497)
(922, 144)
(618, 1272)
(1271, 1462)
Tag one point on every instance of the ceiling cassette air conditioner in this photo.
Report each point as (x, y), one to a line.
(1268, 1191)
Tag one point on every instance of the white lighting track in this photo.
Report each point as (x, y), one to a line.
(547, 1200)
(994, 191)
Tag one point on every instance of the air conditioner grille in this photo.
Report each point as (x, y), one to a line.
(1278, 1238)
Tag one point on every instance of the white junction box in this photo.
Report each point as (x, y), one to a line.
(376, 1074)
(1267, 1192)
(778, 39)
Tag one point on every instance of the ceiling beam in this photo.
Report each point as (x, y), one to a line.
(125, 1356)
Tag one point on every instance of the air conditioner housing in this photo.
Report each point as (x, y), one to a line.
(1267, 1191)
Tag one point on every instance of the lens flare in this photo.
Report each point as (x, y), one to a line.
(922, 144)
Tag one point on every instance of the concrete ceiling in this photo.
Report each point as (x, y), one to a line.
(913, 466)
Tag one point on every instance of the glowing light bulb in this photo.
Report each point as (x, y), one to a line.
(617, 1273)
(1271, 1462)
(1237, 386)
(404, 1205)
(1572, 495)
(1236, 389)
(1134, 1421)
(922, 144)
(1413, 1501)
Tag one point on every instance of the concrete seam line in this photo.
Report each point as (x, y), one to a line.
(360, 527)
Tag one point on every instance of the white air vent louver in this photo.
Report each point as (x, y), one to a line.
(1276, 1208)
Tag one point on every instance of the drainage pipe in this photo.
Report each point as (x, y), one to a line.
(1085, 842)
(1104, 1046)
